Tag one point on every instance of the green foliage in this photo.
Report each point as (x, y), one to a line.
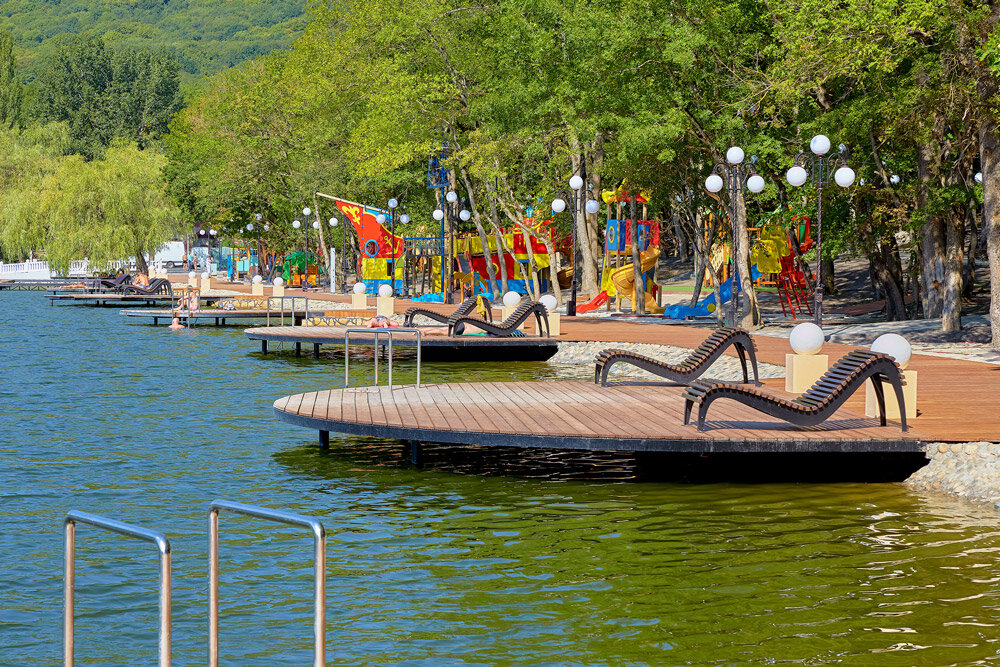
(11, 88)
(206, 36)
(103, 94)
(105, 209)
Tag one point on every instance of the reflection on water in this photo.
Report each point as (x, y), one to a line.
(453, 563)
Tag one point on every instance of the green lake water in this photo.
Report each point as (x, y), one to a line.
(431, 566)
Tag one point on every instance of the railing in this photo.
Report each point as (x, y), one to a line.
(388, 333)
(281, 300)
(319, 590)
(69, 582)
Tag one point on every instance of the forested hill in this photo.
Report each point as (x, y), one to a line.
(205, 35)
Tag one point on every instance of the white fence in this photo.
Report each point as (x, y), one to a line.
(36, 269)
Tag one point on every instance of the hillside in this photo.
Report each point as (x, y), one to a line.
(205, 35)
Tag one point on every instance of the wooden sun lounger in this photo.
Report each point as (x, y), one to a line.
(819, 402)
(156, 286)
(689, 369)
(118, 283)
(508, 327)
(467, 307)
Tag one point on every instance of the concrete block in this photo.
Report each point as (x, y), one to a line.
(359, 301)
(384, 306)
(802, 370)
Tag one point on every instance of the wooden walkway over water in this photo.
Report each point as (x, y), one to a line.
(576, 415)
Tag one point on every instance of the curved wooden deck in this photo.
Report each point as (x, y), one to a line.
(575, 415)
(219, 315)
(432, 347)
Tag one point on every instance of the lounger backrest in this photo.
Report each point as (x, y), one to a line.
(844, 371)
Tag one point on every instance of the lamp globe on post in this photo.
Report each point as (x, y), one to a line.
(796, 176)
(465, 215)
(979, 177)
(593, 206)
(451, 197)
(755, 183)
(714, 183)
(820, 144)
(558, 205)
(735, 155)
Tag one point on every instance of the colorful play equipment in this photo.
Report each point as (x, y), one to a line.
(617, 272)
(302, 269)
(418, 259)
(774, 253)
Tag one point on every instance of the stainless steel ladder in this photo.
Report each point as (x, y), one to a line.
(388, 333)
(163, 545)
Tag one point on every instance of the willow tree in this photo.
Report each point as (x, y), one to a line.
(105, 210)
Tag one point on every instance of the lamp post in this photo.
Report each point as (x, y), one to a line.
(819, 165)
(392, 203)
(404, 218)
(211, 235)
(451, 206)
(739, 178)
(439, 216)
(333, 265)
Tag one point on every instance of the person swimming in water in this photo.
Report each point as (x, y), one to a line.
(176, 324)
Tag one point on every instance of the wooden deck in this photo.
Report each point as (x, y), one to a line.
(115, 299)
(432, 347)
(219, 315)
(576, 415)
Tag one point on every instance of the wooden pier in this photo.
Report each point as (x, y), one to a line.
(116, 299)
(432, 347)
(218, 315)
(576, 415)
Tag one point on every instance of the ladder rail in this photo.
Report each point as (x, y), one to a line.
(69, 581)
(319, 568)
(388, 332)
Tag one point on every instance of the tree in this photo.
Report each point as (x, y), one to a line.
(11, 88)
(104, 93)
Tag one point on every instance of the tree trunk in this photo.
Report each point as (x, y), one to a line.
(951, 307)
(932, 240)
(741, 256)
(140, 262)
(483, 239)
(989, 155)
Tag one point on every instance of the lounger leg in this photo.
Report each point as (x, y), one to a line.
(597, 372)
(743, 362)
(879, 397)
(703, 411)
(606, 371)
(897, 386)
(688, 404)
(753, 363)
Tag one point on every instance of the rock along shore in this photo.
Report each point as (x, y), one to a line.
(969, 470)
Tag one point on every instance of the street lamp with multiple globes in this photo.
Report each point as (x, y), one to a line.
(558, 206)
(739, 178)
(819, 165)
(404, 218)
(392, 203)
(342, 260)
(450, 212)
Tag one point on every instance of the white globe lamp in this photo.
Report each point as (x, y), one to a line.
(735, 155)
(359, 288)
(558, 205)
(576, 182)
(796, 176)
(380, 218)
(511, 299)
(307, 211)
(333, 222)
(393, 203)
(895, 346)
(315, 224)
(249, 226)
(204, 275)
(548, 301)
(451, 197)
(894, 179)
(438, 214)
(820, 144)
(278, 282)
(257, 280)
(465, 215)
(755, 183)
(192, 274)
(844, 177)
(593, 206)
(267, 227)
(296, 224)
(979, 177)
(806, 338)
(713, 183)
(405, 219)
(384, 290)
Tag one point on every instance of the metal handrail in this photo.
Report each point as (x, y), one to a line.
(281, 301)
(377, 332)
(163, 546)
(319, 589)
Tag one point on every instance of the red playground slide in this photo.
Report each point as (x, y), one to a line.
(593, 304)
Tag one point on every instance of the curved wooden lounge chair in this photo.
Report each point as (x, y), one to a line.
(156, 286)
(117, 283)
(692, 367)
(467, 307)
(507, 328)
(820, 401)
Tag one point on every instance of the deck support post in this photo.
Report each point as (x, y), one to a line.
(298, 349)
(156, 321)
(216, 321)
(315, 350)
(263, 346)
(324, 440)
(416, 453)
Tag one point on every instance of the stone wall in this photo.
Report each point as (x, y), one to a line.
(969, 470)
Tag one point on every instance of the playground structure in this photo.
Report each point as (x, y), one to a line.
(617, 267)
(420, 261)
